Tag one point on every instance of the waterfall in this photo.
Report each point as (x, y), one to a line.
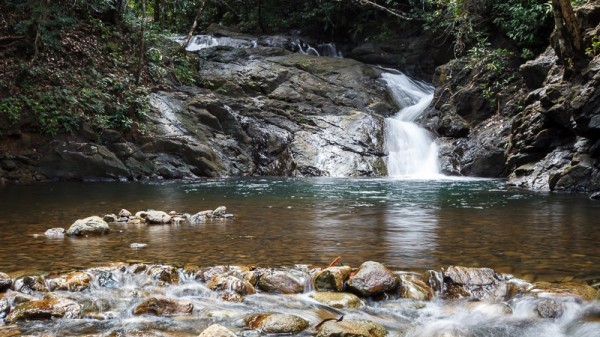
(411, 150)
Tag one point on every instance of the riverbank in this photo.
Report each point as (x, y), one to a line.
(368, 300)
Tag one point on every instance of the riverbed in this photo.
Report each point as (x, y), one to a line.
(405, 224)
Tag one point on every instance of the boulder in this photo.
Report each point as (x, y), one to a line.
(110, 218)
(5, 282)
(93, 225)
(200, 217)
(279, 281)
(31, 284)
(55, 233)
(349, 328)
(332, 278)
(155, 217)
(414, 287)
(216, 330)
(124, 213)
(276, 323)
(231, 283)
(75, 281)
(163, 273)
(337, 300)
(371, 279)
(52, 306)
(476, 283)
(220, 211)
(549, 308)
(206, 274)
(163, 306)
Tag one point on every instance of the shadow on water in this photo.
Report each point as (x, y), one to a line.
(405, 224)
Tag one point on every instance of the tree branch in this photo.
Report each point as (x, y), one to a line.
(401, 15)
(194, 24)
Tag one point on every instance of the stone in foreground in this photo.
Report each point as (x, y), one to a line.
(332, 278)
(371, 279)
(93, 225)
(216, 330)
(50, 307)
(348, 328)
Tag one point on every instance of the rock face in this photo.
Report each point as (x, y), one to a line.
(348, 328)
(276, 323)
(162, 306)
(93, 225)
(372, 278)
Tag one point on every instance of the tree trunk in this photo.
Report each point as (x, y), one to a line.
(194, 24)
(138, 74)
(156, 13)
(566, 38)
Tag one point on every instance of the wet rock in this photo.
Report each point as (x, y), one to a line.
(55, 232)
(372, 278)
(216, 330)
(206, 274)
(276, 323)
(165, 274)
(52, 306)
(477, 283)
(492, 309)
(220, 211)
(332, 278)
(566, 289)
(31, 284)
(414, 287)
(5, 282)
(549, 309)
(124, 213)
(76, 281)
(93, 225)
(349, 328)
(337, 300)
(231, 283)
(155, 217)
(200, 217)
(163, 306)
(107, 279)
(110, 218)
(279, 281)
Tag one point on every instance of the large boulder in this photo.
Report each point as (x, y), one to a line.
(163, 306)
(372, 278)
(276, 323)
(332, 278)
(475, 283)
(350, 328)
(279, 281)
(52, 306)
(5, 282)
(93, 225)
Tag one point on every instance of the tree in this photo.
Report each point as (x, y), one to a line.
(138, 74)
(566, 39)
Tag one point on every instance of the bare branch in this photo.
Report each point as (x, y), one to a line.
(401, 15)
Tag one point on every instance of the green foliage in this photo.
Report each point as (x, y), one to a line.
(594, 48)
(524, 22)
(493, 65)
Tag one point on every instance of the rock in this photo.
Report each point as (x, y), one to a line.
(206, 274)
(276, 323)
(220, 211)
(349, 328)
(155, 217)
(372, 278)
(163, 306)
(477, 283)
(278, 281)
(5, 282)
(75, 281)
(595, 196)
(31, 284)
(414, 287)
(566, 289)
(50, 307)
(332, 278)
(337, 300)
(124, 213)
(55, 233)
(165, 274)
(4, 308)
(216, 330)
(534, 72)
(200, 217)
(231, 283)
(93, 225)
(138, 245)
(549, 309)
(110, 218)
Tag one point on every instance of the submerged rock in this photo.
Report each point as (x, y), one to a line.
(216, 330)
(349, 328)
(276, 323)
(337, 300)
(93, 225)
(31, 284)
(372, 278)
(50, 307)
(5, 282)
(163, 306)
(55, 232)
(332, 278)
(279, 281)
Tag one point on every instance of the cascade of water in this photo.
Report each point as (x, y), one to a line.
(410, 148)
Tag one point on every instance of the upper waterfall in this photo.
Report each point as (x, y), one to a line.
(411, 150)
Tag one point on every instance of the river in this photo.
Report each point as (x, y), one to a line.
(405, 224)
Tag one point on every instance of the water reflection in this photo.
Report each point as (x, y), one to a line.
(407, 224)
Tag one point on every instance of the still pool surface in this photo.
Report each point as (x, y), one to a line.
(405, 224)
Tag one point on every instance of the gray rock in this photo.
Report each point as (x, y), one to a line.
(278, 281)
(110, 218)
(220, 211)
(31, 284)
(372, 278)
(163, 306)
(200, 217)
(55, 232)
(216, 330)
(337, 300)
(155, 217)
(5, 282)
(351, 328)
(276, 323)
(4, 308)
(124, 213)
(549, 309)
(93, 225)
(477, 283)
(332, 278)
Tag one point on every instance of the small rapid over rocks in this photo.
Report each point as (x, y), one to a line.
(411, 149)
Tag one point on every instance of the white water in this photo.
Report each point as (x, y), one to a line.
(411, 151)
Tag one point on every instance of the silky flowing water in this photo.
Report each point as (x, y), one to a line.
(405, 224)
